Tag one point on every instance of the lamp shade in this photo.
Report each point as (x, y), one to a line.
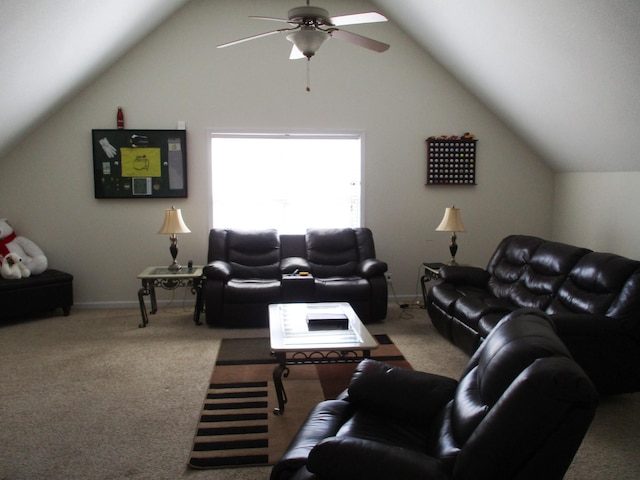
(173, 222)
(451, 222)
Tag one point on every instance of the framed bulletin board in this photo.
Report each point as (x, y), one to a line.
(140, 163)
(451, 161)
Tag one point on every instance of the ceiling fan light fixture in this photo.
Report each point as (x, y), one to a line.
(308, 40)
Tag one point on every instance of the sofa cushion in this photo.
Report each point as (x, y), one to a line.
(254, 254)
(338, 288)
(381, 427)
(348, 458)
(512, 349)
(470, 309)
(509, 261)
(547, 269)
(332, 252)
(595, 284)
(405, 395)
(253, 290)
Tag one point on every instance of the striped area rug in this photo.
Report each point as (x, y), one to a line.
(233, 427)
(237, 426)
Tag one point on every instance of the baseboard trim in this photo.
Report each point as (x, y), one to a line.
(401, 299)
(116, 305)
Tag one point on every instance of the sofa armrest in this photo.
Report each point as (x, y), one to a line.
(474, 276)
(324, 421)
(371, 267)
(289, 265)
(347, 458)
(218, 270)
(406, 395)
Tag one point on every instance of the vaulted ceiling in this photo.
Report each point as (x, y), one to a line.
(562, 74)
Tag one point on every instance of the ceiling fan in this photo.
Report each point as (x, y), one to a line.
(312, 26)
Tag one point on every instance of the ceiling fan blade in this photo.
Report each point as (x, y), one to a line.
(253, 37)
(358, 18)
(295, 53)
(270, 18)
(359, 40)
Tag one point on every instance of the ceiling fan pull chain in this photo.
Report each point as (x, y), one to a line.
(308, 74)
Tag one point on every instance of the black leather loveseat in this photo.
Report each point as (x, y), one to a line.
(248, 270)
(519, 411)
(592, 297)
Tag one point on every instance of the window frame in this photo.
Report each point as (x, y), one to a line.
(298, 134)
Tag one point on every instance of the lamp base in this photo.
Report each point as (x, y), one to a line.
(175, 266)
(453, 248)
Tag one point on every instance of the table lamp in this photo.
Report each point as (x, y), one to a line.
(451, 222)
(173, 224)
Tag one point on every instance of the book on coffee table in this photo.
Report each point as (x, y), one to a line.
(327, 321)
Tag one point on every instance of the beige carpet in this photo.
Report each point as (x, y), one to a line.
(92, 396)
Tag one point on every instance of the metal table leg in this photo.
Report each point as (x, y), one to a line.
(423, 281)
(281, 370)
(152, 294)
(196, 289)
(143, 309)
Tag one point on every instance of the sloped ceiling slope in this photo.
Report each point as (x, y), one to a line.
(51, 48)
(562, 74)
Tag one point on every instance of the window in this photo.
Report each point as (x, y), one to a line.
(286, 181)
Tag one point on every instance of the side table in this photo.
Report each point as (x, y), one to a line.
(153, 277)
(431, 272)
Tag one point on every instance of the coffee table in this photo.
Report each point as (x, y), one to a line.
(290, 334)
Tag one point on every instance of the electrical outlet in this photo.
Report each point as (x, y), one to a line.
(388, 275)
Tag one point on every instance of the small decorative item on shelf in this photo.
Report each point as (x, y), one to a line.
(120, 119)
(451, 160)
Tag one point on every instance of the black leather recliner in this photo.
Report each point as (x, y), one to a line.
(519, 411)
(344, 266)
(248, 270)
(242, 277)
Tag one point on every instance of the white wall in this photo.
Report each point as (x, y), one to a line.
(397, 98)
(599, 211)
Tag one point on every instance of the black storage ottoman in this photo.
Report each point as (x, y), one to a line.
(47, 291)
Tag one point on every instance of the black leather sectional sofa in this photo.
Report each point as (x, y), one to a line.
(248, 270)
(592, 297)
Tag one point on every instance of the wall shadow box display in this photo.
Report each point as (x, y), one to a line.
(140, 163)
(451, 161)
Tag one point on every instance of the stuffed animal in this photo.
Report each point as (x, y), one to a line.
(13, 268)
(33, 257)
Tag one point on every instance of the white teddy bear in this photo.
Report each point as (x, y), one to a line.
(33, 258)
(13, 268)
